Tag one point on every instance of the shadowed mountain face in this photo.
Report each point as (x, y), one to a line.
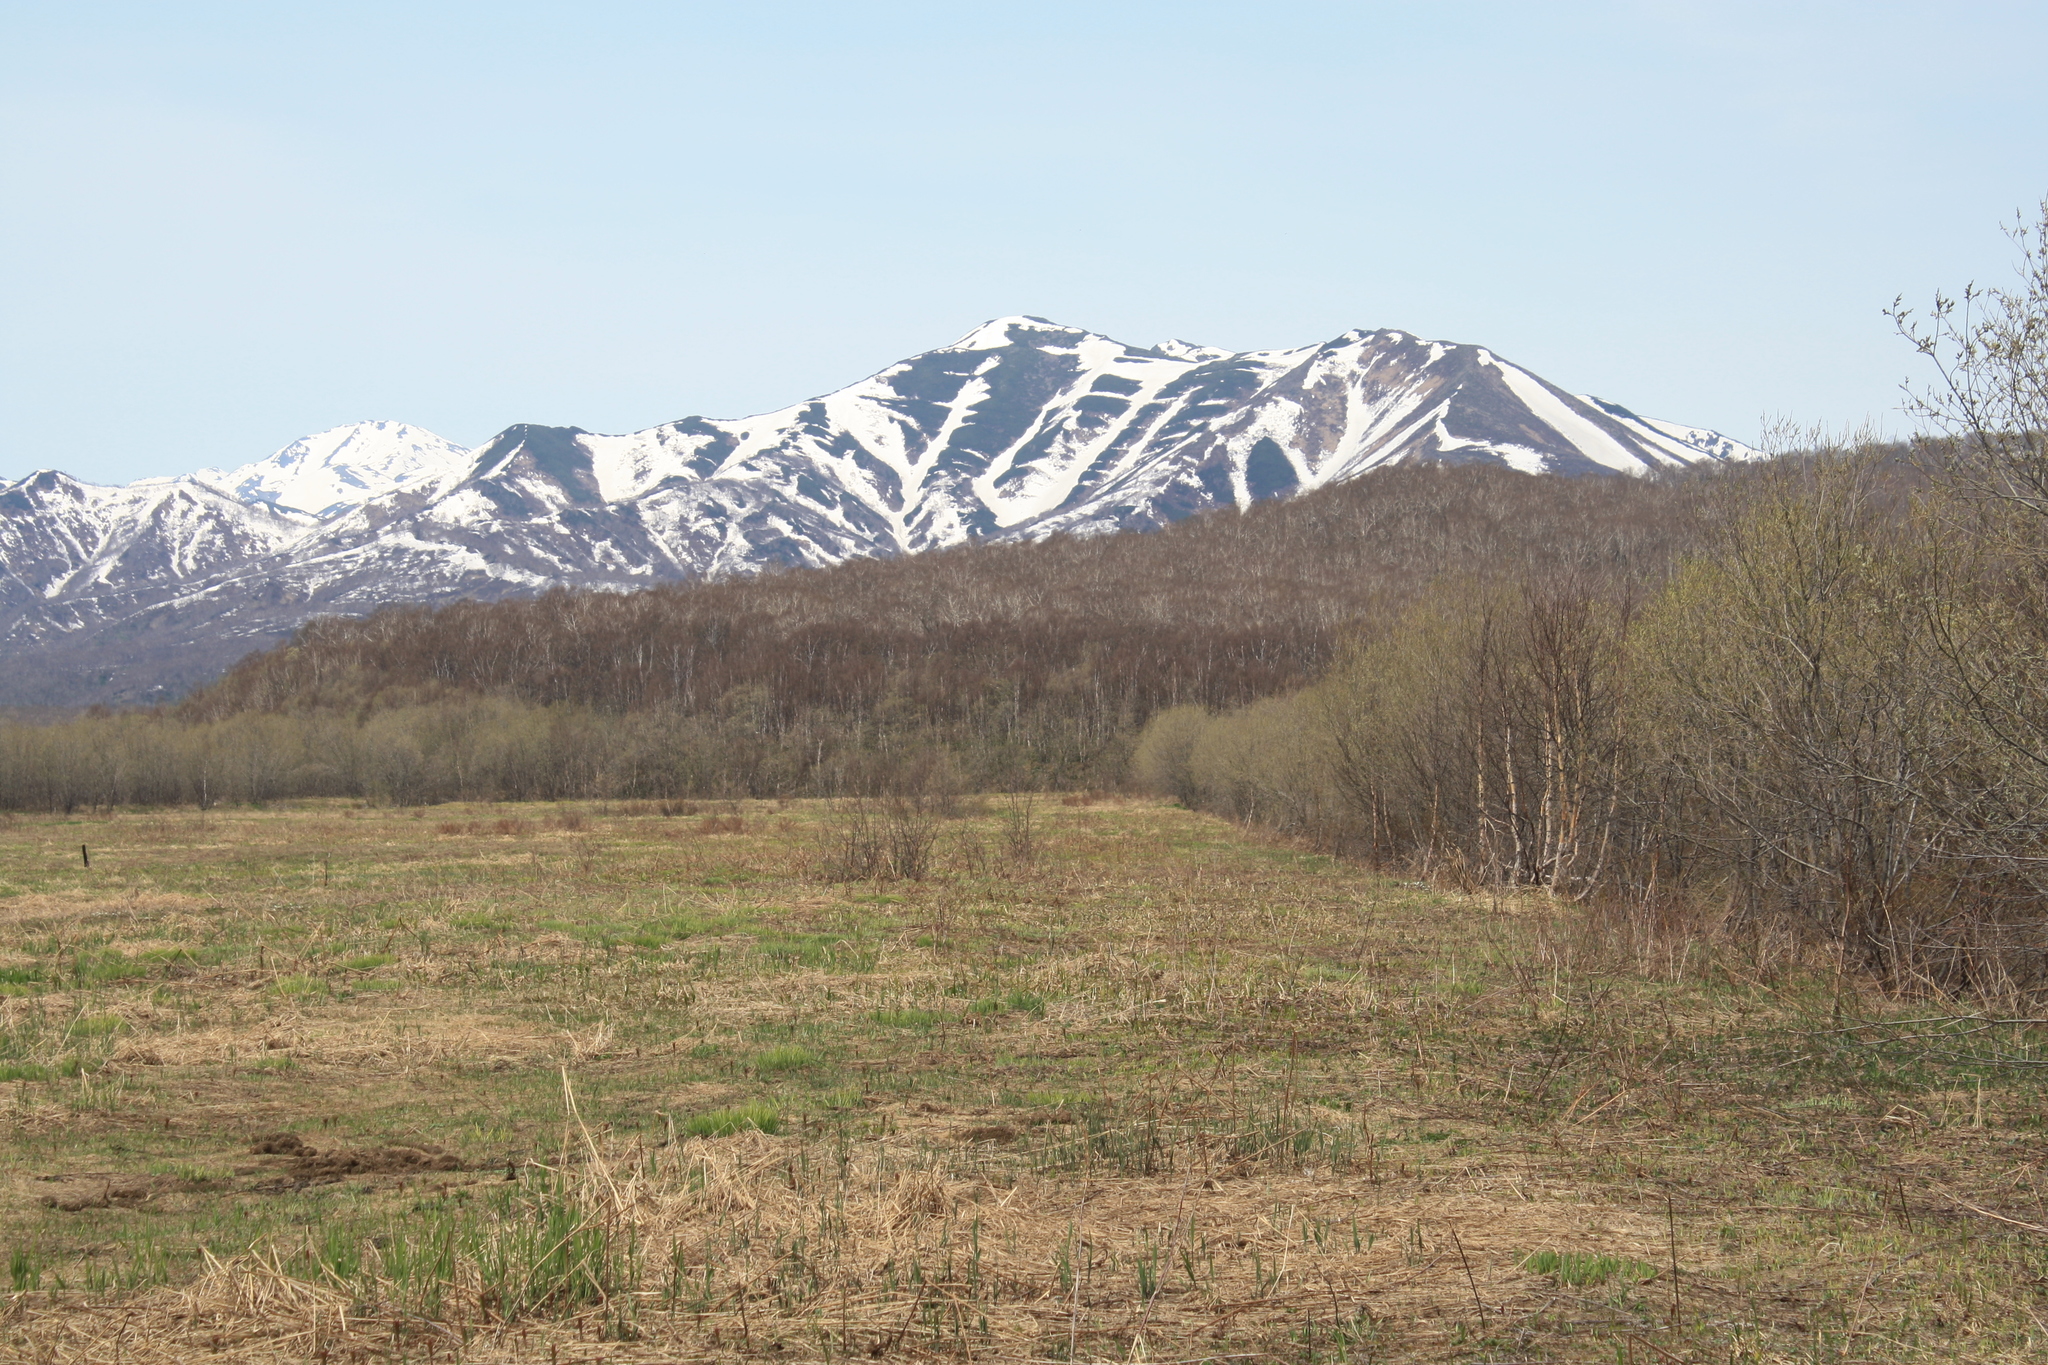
(1019, 430)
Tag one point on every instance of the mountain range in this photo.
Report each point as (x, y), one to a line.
(1020, 429)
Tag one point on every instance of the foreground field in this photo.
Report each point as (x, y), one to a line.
(1112, 1081)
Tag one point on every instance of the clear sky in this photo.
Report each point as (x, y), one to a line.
(223, 226)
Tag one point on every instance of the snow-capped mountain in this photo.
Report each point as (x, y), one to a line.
(341, 468)
(79, 554)
(1020, 429)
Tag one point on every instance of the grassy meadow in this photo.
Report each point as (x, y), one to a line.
(1109, 1081)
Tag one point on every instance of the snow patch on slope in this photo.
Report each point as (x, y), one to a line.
(1592, 440)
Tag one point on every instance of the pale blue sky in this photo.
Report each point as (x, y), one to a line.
(223, 226)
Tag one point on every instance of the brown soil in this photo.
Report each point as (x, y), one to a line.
(96, 1191)
(310, 1164)
(372, 1161)
(278, 1144)
(992, 1133)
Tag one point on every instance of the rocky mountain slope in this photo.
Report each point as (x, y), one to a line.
(1021, 429)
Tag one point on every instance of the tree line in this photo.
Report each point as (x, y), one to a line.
(989, 666)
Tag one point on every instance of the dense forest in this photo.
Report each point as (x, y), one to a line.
(982, 667)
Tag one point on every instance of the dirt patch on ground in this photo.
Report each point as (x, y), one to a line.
(341, 1161)
(988, 1132)
(96, 1190)
(278, 1144)
(308, 1164)
(388, 1040)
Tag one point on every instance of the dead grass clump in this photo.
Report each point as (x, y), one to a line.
(722, 824)
(476, 828)
(918, 1195)
(1668, 935)
(623, 810)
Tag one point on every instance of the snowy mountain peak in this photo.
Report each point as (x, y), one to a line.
(44, 482)
(1173, 348)
(998, 333)
(341, 468)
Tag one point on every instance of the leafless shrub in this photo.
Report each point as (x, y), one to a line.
(909, 835)
(1020, 829)
(870, 839)
(970, 853)
(852, 847)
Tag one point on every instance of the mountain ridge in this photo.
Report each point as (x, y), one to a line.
(1019, 429)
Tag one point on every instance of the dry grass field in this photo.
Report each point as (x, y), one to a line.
(1110, 1081)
